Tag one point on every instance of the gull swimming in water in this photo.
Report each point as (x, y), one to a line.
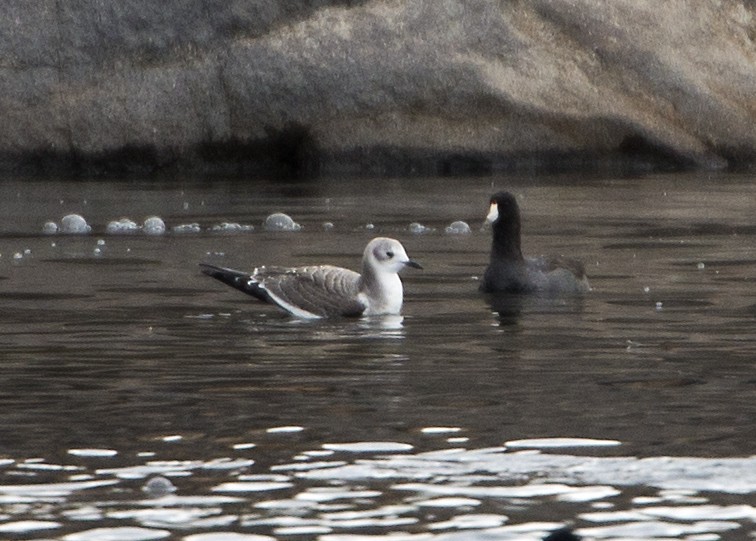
(509, 272)
(321, 291)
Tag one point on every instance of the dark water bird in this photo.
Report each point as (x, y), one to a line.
(323, 291)
(562, 534)
(509, 272)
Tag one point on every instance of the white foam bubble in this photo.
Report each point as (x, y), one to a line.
(416, 228)
(187, 228)
(458, 228)
(122, 226)
(159, 486)
(154, 225)
(74, 224)
(278, 221)
(50, 228)
(231, 227)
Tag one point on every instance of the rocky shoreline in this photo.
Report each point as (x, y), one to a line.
(376, 87)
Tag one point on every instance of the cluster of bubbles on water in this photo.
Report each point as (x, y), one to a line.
(75, 224)
(458, 227)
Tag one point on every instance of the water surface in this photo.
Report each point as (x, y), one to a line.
(628, 413)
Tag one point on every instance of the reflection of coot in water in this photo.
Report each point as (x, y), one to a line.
(511, 306)
(507, 305)
(509, 272)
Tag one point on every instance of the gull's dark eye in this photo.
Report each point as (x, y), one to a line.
(389, 254)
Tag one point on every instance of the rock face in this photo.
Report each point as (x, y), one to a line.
(375, 86)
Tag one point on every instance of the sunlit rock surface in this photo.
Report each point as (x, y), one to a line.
(375, 86)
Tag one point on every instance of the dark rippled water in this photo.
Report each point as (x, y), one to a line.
(142, 400)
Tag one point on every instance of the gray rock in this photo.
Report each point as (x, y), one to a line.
(375, 86)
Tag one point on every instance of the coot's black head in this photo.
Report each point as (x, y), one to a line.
(503, 211)
(504, 215)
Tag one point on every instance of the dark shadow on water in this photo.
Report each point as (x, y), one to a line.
(510, 307)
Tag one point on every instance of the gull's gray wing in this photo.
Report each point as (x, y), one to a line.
(313, 291)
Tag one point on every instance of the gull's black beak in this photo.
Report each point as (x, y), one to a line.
(413, 264)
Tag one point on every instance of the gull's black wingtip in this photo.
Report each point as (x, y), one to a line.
(207, 268)
(240, 280)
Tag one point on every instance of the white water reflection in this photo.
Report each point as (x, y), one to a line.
(43, 491)
(28, 526)
(368, 447)
(556, 443)
(728, 475)
(126, 533)
(442, 493)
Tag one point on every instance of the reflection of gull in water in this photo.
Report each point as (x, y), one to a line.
(386, 327)
(392, 322)
(328, 291)
(383, 327)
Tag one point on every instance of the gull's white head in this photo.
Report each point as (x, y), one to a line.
(387, 255)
